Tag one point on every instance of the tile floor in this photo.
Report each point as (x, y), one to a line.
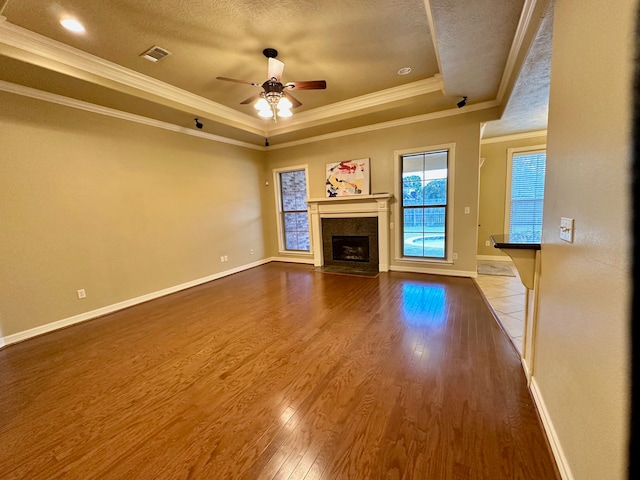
(506, 297)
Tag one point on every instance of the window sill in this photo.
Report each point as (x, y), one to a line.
(297, 253)
(429, 261)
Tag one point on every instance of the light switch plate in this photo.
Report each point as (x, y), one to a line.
(566, 229)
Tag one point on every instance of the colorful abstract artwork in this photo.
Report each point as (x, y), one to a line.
(350, 177)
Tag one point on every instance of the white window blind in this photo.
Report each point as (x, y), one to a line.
(527, 196)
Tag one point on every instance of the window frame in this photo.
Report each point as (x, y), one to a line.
(511, 152)
(280, 212)
(450, 148)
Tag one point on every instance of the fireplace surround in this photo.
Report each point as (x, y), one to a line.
(350, 242)
(363, 215)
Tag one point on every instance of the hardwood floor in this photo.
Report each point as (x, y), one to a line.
(278, 372)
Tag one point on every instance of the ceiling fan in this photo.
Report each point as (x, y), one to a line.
(275, 100)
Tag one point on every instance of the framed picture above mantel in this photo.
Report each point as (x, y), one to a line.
(348, 178)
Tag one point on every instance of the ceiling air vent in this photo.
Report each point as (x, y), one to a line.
(155, 54)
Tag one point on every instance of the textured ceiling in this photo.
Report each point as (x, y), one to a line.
(474, 39)
(527, 108)
(357, 46)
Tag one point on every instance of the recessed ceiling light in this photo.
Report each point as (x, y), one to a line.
(73, 25)
(404, 71)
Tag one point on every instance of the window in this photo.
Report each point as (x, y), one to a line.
(525, 195)
(293, 220)
(424, 204)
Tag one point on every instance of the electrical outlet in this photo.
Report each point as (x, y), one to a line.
(455, 256)
(82, 293)
(467, 210)
(487, 243)
(226, 259)
(221, 258)
(251, 251)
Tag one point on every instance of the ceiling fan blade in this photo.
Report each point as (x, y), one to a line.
(275, 69)
(308, 85)
(226, 79)
(251, 99)
(294, 101)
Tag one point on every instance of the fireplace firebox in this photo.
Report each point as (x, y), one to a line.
(350, 248)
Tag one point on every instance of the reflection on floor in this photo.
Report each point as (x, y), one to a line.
(506, 297)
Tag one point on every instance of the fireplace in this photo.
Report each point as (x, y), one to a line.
(354, 216)
(350, 242)
(350, 248)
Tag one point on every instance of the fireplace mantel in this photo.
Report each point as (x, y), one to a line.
(376, 205)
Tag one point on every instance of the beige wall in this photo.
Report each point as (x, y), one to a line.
(493, 178)
(379, 146)
(582, 360)
(117, 208)
(124, 210)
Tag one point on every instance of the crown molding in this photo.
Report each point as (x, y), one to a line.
(327, 113)
(515, 136)
(390, 124)
(524, 24)
(110, 112)
(434, 38)
(52, 50)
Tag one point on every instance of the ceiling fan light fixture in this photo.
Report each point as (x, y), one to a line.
(72, 25)
(262, 104)
(284, 104)
(273, 102)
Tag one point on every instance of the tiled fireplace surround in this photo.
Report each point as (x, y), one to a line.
(376, 205)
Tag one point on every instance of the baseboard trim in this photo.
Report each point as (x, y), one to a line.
(292, 260)
(554, 441)
(494, 258)
(433, 271)
(83, 317)
(525, 368)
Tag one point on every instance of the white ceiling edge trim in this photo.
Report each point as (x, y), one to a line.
(518, 40)
(325, 114)
(110, 112)
(100, 110)
(52, 50)
(514, 136)
(390, 124)
(434, 38)
(44, 47)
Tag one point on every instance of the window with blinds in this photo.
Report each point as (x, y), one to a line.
(293, 221)
(527, 196)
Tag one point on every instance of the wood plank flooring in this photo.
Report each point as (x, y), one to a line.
(278, 372)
